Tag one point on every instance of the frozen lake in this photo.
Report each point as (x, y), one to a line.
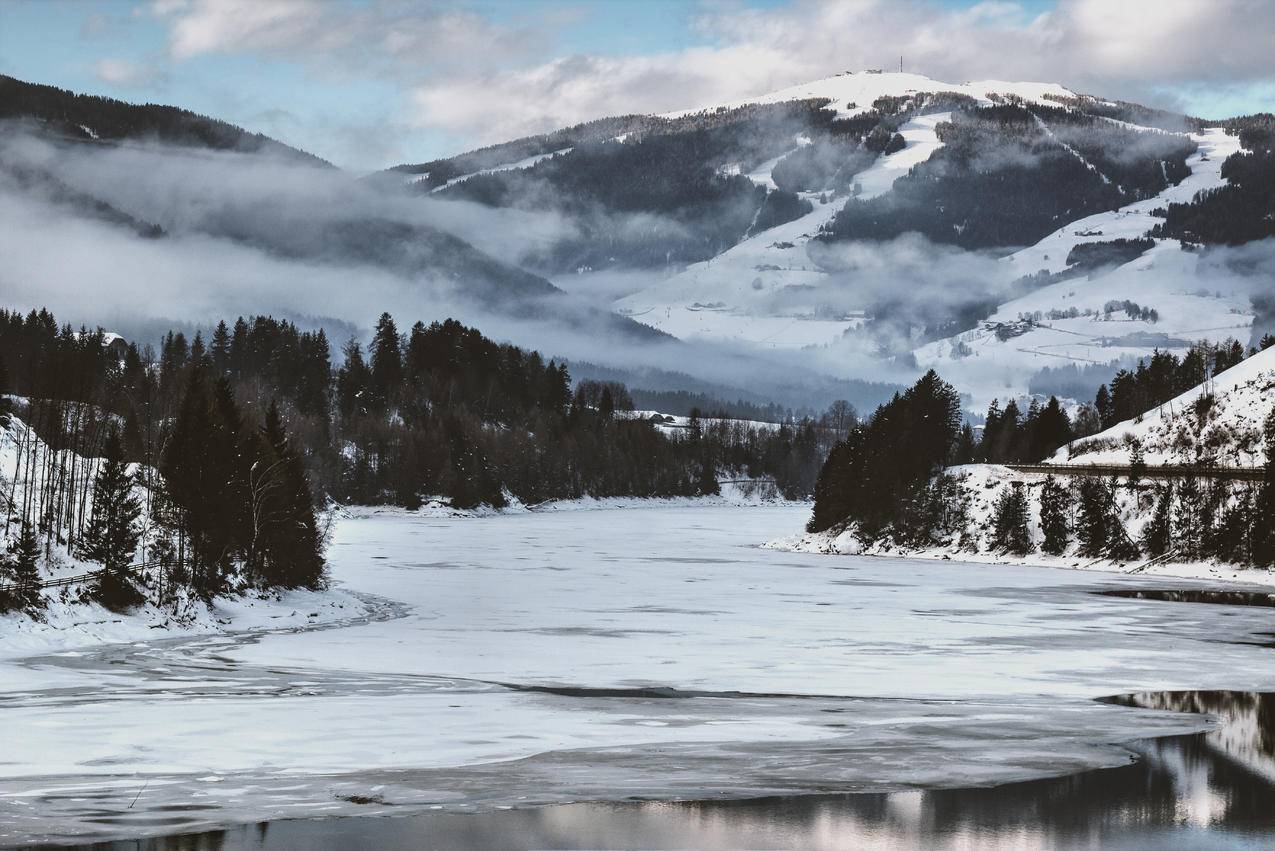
(651, 653)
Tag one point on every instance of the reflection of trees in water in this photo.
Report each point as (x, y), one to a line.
(1248, 717)
(1193, 595)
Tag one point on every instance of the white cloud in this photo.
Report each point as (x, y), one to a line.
(1131, 48)
(387, 35)
(125, 72)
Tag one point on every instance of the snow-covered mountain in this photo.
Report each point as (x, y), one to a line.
(1041, 215)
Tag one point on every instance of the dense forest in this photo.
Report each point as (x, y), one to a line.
(1010, 174)
(212, 455)
(1244, 209)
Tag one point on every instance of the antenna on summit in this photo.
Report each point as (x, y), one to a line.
(900, 63)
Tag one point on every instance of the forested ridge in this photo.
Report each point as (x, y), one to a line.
(93, 118)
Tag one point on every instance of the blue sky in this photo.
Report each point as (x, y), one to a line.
(369, 83)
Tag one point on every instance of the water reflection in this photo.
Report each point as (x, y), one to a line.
(1212, 790)
(1194, 595)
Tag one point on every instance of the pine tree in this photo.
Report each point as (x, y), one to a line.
(112, 534)
(353, 383)
(1105, 407)
(1137, 464)
(221, 348)
(1093, 522)
(966, 447)
(1188, 532)
(23, 562)
(1010, 516)
(288, 544)
(387, 365)
(1157, 535)
(1055, 516)
(1264, 511)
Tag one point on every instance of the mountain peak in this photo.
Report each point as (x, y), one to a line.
(854, 92)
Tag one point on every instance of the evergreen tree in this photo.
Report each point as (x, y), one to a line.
(1105, 407)
(221, 348)
(289, 546)
(1093, 521)
(24, 566)
(1137, 464)
(387, 365)
(1264, 511)
(1055, 516)
(1233, 537)
(1157, 534)
(353, 383)
(1188, 529)
(1010, 518)
(112, 534)
(1051, 429)
(966, 448)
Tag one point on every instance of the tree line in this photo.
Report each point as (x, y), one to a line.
(207, 457)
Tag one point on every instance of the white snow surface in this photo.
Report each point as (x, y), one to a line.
(496, 660)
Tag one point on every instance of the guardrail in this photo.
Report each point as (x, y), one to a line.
(63, 581)
(1151, 471)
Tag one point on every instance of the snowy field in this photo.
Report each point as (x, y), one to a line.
(538, 657)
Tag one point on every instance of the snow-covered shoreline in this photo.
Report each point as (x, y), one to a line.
(845, 543)
(66, 625)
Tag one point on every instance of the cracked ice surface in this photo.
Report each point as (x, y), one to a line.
(657, 652)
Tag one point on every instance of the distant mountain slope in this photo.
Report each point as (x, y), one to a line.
(60, 152)
(1076, 315)
(94, 118)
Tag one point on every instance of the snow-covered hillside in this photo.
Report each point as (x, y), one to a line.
(1220, 421)
(731, 297)
(1134, 220)
(1069, 323)
(768, 292)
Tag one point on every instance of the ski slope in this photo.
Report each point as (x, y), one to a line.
(1194, 300)
(1133, 220)
(525, 163)
(731, 297)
